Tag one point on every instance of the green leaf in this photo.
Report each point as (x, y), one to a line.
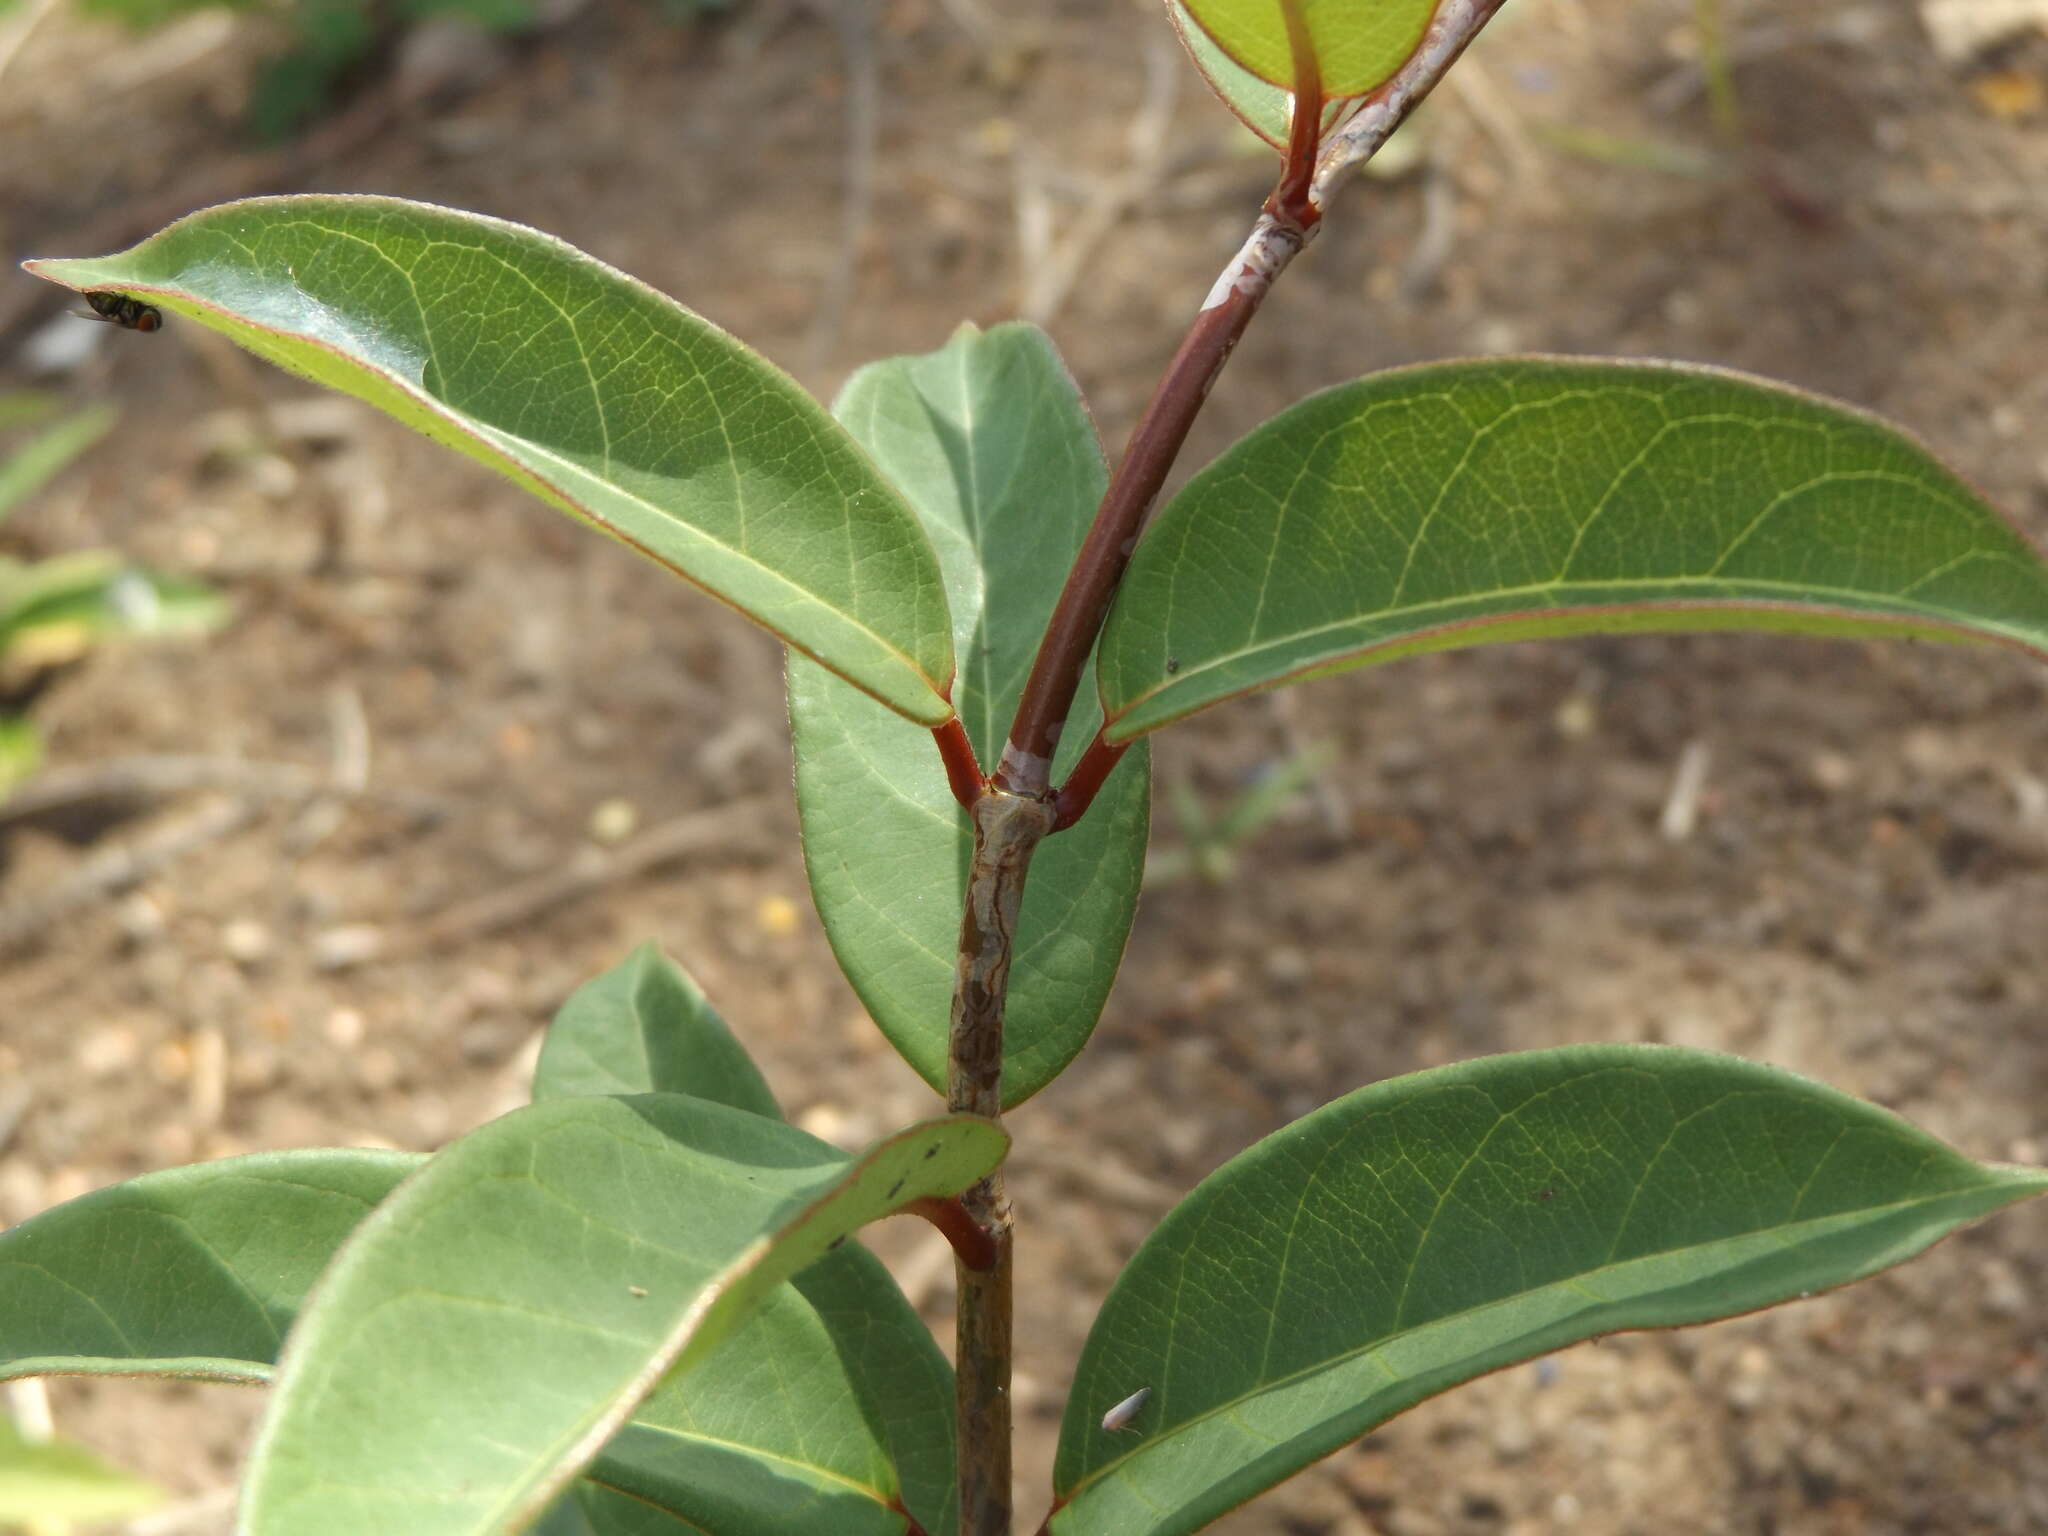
(1464, 503)
(602, 397)
(57, 609)
(200, 1271)
(1357, 46)
(1259, 105)
(1424, 1231)
(990, 441)
(190, 1272)
(36, 462)
(501, 1316)
(52, 1481)
(733, 1444)
(644, 1027)
(828, 1414)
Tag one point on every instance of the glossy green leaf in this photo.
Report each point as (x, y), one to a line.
(644, 1027)
(1426, 1230)
(45, 1485)
(498, 1319)
(1463, 503)
(1357, 43)
(193, 1272)
(602, 397)
(831, 1399)
(1260, 105)
(990, 442)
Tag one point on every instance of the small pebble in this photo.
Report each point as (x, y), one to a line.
(245, 941)
(2004, 1291)
(1576, 718)
(140, 917)
(345, 1028)
(339, 948)
(778, 916)
(108, 1051)
(614, 821)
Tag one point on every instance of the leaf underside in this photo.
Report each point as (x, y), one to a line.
(1430, 1229)
(828, 1410)
(1465, 503)
(500, 1317)
(1356, 46)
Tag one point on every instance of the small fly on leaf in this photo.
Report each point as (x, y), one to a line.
(130, 313)
(1121, 1415)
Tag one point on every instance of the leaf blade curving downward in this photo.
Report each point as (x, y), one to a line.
(1426, 1230)
(1461, 503)
(497, 1320)
(601, 396)
(194, 1272)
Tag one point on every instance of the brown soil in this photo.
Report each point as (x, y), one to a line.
(1863, 898)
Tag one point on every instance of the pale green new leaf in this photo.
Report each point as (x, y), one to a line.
(598, 394)
(1426, 1230)
(1462, 503)
(502, 1315)
(989, 440)
(1357, 43)
(1260, 105)
(193, 1271)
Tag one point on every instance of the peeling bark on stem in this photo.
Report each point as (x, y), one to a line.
(1007, 831)
(1450, 31)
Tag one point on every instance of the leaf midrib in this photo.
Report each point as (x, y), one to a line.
(1813, 597)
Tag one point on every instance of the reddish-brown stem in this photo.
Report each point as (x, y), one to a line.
(963, 772)
(1013, 809)
(1078, 793)
(1026, 766)
(1293, 202)
(1286, 225)
(971, 1242)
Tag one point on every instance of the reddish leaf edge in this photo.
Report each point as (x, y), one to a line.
(1857, 623)
(532, 482)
